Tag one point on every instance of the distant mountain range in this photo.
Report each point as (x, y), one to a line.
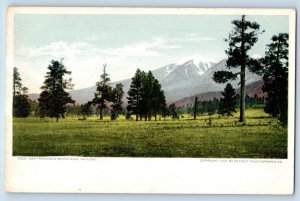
(179, 80)
(252, 89)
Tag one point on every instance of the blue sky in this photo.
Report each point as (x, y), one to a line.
(124, 42)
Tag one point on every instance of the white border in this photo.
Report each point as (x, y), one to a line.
(148, 175)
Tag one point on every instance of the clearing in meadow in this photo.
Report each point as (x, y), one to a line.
(220, 137)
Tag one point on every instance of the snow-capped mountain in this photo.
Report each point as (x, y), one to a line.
(188, 70)
(179, 86)
(184, 78)
(188, 67)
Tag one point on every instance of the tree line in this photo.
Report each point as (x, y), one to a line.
(146, 99)
(224, 106)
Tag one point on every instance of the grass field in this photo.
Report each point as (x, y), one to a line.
(260, 137)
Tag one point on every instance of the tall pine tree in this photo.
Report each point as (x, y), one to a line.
(228, 102)
(134, 94)
(117, 96)
(147, 96)
(275, 76)
(241, 40)
(17, 82)
(53, 98)
(158, 100)
(103, 93)
(21, 103)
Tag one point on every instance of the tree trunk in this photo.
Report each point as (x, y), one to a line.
(155, 117)
(101, 113)
(243, 68)
(243, 95)
(14, 88)
(195, 107)
(137, 105)
(57, 118)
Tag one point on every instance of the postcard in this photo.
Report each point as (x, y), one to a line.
(150, 100)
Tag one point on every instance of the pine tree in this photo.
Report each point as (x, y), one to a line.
(158, 99)
(172, 111)
(53, 98)
(134, 94)
(17, 84)
(212, 106)
(147, 95)
(195, 107)
(275, 76)
(117, 96)
(201, 109)
(146, 98)
(21, 106)
(228, 103)
(85, 109)
(241, 40)
(21, 103)
(103, 93)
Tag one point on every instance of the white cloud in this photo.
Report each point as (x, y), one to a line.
(61, 49)
(138, 49)
(149, 48)
(57, 49)
(164, 43)
(195, 38)
(85, 59)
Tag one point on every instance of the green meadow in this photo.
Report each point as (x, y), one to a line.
(220, 137)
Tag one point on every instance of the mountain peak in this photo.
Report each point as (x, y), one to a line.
(200, 63)
(196, 59)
